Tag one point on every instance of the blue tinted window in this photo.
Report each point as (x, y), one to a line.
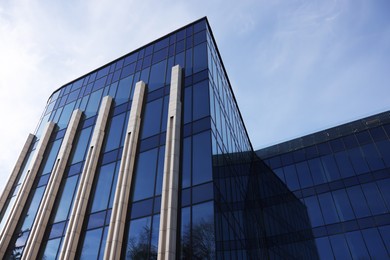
(385, 232)
(96, 220)
(157, 76)
(328, 208)
(203, 231)
(344, 164)
(154, 240)
(52, 157)
(152, 118)
(331, 170)
(102, 192)
(201, 104)
(374, 198)
(304, 175)
(160, 170)
(200, 57)
(358, 162)
(358, 201)
(373, 158)
(123, 90)
(32, 211)
(340, 247)
(187, 105)
(374, 243)
(114, 132)
(384, 149)
(65, 115)
(145, 174)
(357, 246)
(201, 158)
(51, 249)
(202, 193)
(317, 171)
(81, 145)
(385, 191)
(186, 163)
(57, 229)
(91, 244)
(138, 238)
(291, 177)
(324, 248)
(66, 199)
(343, 205)
(93, 103)
(314, 211)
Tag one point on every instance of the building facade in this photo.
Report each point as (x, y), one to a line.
(147, 157)
(342, 175)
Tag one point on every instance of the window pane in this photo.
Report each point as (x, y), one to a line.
(304, 175)
(373, 158)
(152, 118)
(344, 164)
(48, 165)
(314, 211)
(201, 102)
(328, 208)
(93, 103)
(91, 244)
(115, 132)
(358, 202)
(186, 163)
(51, 249)
(374, 198)
(340, 247)
(66, 199)
(375, 244)
(81, 145)
(358, 162)
(157, 76)
(145, 174)
(330, 167)
(138, 239)
(123, 90)
(291, 177)
(201, 158)
(32, 211)
(343, 205)
(317, 171)
(357, 246)
(102, 192)
(203, 245)
(200, 57)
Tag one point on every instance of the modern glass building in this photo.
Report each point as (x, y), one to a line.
(342, 175)
(147, 157)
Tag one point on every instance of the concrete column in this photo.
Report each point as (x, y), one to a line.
(21, 198)
(40, 223)
(126, 170)
(15, 171)
(169, 200)
(69, 245)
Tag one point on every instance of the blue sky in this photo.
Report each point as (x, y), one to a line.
(296, 67)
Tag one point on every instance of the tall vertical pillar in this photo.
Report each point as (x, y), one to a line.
(169, 200)
(15, 171)
(126, 170)
(72, 236)
(21, 198)
(41, 220)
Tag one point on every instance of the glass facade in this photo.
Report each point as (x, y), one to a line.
(342, 176)
(230, 204)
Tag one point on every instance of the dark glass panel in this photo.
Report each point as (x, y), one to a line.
(200, 37)
(65, 115)
(145, 175)
(187, 105)
(314, 211)
(340, 247)
(374, 243)
(81, 145)
(124, 89)
(138, 239)
(378, 133)
(374, 198)
(142, 208)
(103, 244)
(91, 244)
(152, 118)
(373, 158)
(57, 229)
(384, 149)
(358, 162)
(188, 66)
(96, 220)
(51, 249)
(344, 164)
(357, 246)
(160, 170)
(186, 163)
(154, 239)
(200, 57)
(343, 205)
(201, 105)
(364, 137)
(114, 132)
(201, 158)
(157, 76)
(203, 245)
(202, 193)
(33, 208)
(337, 145)
(160, 55)
(328, 209)
(331, 170)
(43, 180)
(93, 103)
(99, 84)
(304, 175)
(317, 171)
(73, 96)
(51, 157)
(385, 232)
(66, 199)
(103, 187)
(385, 191)
(291, 177)
(147, 62)
(358, 201)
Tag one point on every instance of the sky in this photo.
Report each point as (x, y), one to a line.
(296, 67)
